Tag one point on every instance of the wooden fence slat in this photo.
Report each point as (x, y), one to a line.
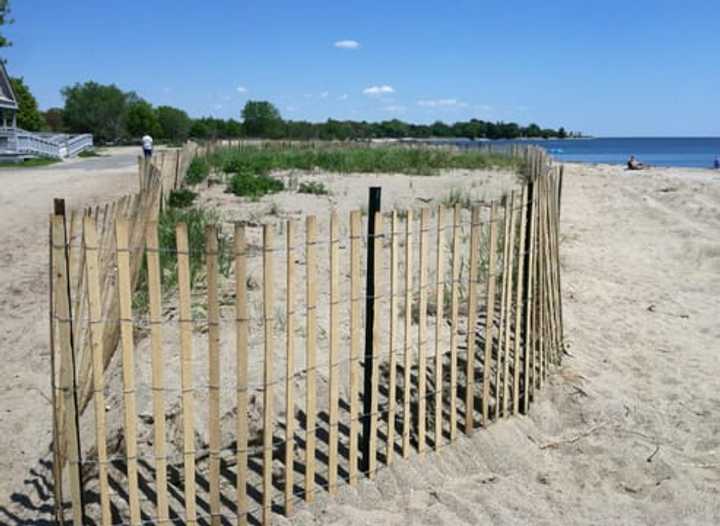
(471, 320)
(69, 432)
(454, 304)
(158, 365)
(355, 338)
(530, 325)
(377, 328)
(490, 315)
(439, 318)
(268, 322)
(541, 280)
(186, 329)
(310, 354)
(290, 365)
(422, 327)
(95, 332)
(503, 297)
(128, 366)
(407, 364)
(241, 372)
(211, 258)
(519, 305)
(334, 365)
(508, 303)
(392, 357)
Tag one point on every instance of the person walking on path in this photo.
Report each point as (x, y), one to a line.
(147, 144)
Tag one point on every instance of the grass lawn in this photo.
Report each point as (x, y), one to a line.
(30, 163)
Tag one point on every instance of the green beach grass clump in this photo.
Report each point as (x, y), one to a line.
(313, 187)
(196, 220)
(246, 183)
(181, 198)
(198, 171)
(414, 161)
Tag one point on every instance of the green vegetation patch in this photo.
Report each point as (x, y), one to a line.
(313, 187)
(30, 163)
(198, 171)
(415, 161)
(245, 183)
(181, 198)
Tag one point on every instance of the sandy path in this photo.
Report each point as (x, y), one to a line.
(25, 201)
(635, 406)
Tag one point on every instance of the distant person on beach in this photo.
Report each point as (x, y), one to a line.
(634, 164)
(716, 164)
(147, 144)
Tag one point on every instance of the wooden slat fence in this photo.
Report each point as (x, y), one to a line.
(245, 398)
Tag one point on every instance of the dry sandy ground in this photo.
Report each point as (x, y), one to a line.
(626, 433)
(25, 201)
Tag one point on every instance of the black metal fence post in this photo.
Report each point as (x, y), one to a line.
(373, 208)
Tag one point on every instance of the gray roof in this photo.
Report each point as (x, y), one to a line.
(7, 96)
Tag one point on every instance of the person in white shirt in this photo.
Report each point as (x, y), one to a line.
(147, 144)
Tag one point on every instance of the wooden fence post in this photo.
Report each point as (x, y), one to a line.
(422, 327)
(186, 329)
(392, 328)
(439, 317)
(241, 379)
(454, 304)
(490, 315)
(407, 363)
(95, 328)
(128, 366)
(471, 319)
(519, 306)
(158, 364)
(69, 436)
(211, 258)
(508, 303)
(355, 335)
(290, 365)
(310, 354)
(268, 321)
(334, 366)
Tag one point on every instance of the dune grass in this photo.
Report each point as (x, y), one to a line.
(354, 159)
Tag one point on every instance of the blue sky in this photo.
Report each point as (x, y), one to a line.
(610, 68)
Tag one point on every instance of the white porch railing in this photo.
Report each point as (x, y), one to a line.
(20, 142)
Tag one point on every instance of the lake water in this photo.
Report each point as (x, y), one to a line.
(685, 152)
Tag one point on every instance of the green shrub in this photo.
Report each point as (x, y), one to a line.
(254, 186)
(313, 187)
(198, 171)
(181, 198)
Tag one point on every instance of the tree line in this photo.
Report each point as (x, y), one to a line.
(116, 116)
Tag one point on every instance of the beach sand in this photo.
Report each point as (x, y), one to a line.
(626, 432)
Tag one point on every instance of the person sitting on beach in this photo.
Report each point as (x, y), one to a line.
(716, 164)
(634, 164)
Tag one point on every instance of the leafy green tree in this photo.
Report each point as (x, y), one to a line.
(562, 134)
(28, 116)
(54, 120)
(142, 119)
(5, 20)
(174, 123)
(233, 129)
(97, 109)
(262, 119)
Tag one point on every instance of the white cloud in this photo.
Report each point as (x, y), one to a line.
(324, 94)
(218, 106)
(242, 89)
(441, 103)
(344, 96)
(347, 44)
(378, 90)
(395, 109)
